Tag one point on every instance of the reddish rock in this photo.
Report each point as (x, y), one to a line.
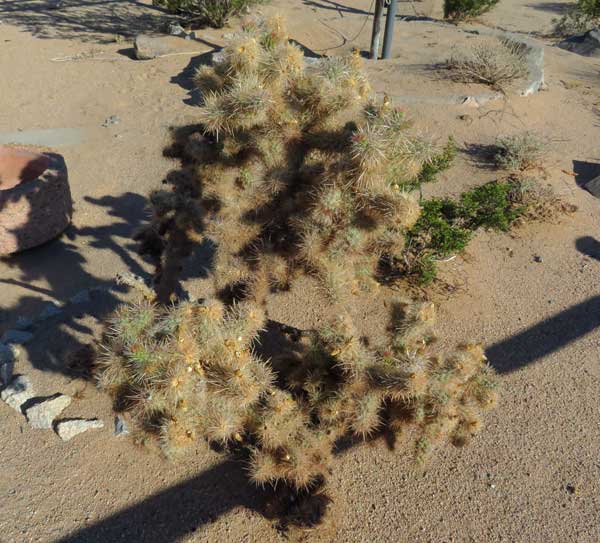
(35, 200)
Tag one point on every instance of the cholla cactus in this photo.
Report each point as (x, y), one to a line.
(188, 372)
(291, 169)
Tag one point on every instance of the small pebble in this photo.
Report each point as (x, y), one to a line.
(112, 120)
(570, 488)
(121, 428)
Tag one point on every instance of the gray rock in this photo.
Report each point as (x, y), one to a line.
(8, 357)
(68, 429)
(121, 427)
(18, 392)
(82, 297)
(175, 29)
(51, 310)
(593, 186)
(149, 47)
(586, 44)
(41, 415)
(18, 337)
(24, 323)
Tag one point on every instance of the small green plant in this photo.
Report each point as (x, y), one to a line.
(438, 162)
(518, 152)
(446, 226)
(214, 13)
(496, 64)
(465, 9)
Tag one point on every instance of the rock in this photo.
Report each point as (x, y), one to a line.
(586, 44)
(68, 429)
(41, 415)
(175, 29)
(82, 297)
(538, 258)
(466, 118)
(149, 47)
(121, 427)
(113, 119)
(35, 200)
(8, 357)
(17, 337)
(593, 186)
(18, 392)
(23, 323)
(51, 310)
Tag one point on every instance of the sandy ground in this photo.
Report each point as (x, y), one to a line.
(533, 475)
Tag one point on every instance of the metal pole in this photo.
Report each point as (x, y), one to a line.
(389, 28)
(376, 37)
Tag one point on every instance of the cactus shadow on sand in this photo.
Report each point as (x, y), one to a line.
(58, 270)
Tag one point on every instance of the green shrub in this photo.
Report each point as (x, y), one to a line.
(446, 226)
(464, 9)
(518, 152)
(584, 16)
(214, 13)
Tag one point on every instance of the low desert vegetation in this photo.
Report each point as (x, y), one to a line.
(582, 16)
(446, 226)
(519, 152)
(466, 9)
(495, 63)
(213, 13)
(292, 170)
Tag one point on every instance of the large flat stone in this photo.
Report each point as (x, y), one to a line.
(149, 47)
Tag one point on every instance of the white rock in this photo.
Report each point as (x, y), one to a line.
(41, 415)
(68, 429)
(18, 392)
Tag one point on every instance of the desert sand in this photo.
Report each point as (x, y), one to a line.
(531, 296)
